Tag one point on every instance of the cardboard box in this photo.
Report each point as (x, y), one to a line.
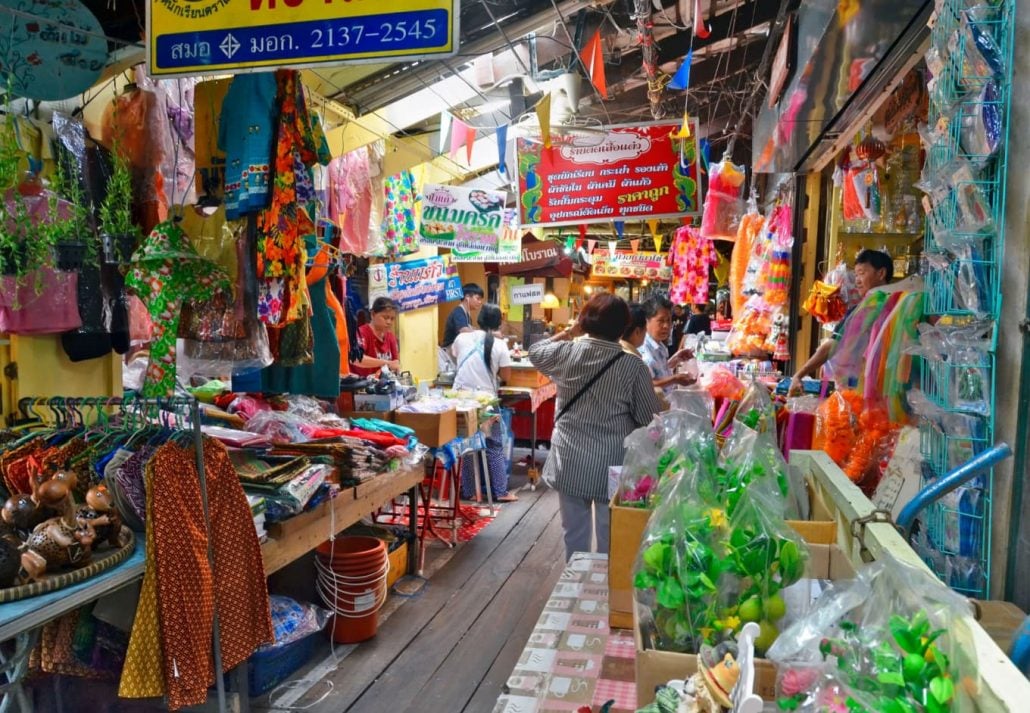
(820, 528)
(398, 564)
(1001, 620)
(381, 415)
(468, 422)
(432, 429)
(377, 402)
(656, 668)
(526, 377)
(626, 526)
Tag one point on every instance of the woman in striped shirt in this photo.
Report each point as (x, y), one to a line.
(603, 395)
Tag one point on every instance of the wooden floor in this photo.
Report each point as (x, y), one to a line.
(452, 647)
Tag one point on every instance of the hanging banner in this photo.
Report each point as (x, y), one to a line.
(542, 257)
(416, 283)
(531, 294)
(509, 245)
(624, 172)
(191, 37)
(639, 266)
(462, 218)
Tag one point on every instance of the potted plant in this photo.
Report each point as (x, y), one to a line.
(119, 235)
(67, 231)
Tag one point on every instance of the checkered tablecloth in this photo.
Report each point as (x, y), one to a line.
(572, 659)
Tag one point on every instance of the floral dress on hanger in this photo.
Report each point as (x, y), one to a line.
(691, 258)
(165, 272)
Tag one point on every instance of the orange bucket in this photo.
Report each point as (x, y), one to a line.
(352, 582)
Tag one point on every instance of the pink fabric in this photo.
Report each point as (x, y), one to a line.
(350, 199)
(44, 301)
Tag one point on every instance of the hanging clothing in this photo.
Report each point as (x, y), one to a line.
(342, 328)
(282, 293)
(399, 234)
(209, 156)
(321, 377)
(164, 272)
(188, 590)
(691, 257)
(246, 135)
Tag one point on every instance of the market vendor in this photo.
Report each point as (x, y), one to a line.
(873, 268)
(654, 352)
(378, 340)
(460, 319)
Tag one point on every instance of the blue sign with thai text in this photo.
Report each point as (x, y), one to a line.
(416, 283)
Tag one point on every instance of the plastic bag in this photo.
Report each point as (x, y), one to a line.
(836, 425)
(721, 383)
(825, 302)
(876, 439)
(756, 409)
(724, 204)
(982, 124)
(893, 633)
(638, 479)
(280, 426)
(293, 620)
(749, 457)
(704, 569)
(981, 57)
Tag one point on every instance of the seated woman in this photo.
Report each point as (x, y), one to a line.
(603, 395)
(378, 340)
(483, 362)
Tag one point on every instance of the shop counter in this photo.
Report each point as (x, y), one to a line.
(540, 414)
(865, 536)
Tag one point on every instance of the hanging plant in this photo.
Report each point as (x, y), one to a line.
(119, 235)
(67, 231)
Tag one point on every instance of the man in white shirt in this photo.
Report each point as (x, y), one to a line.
(654, 352)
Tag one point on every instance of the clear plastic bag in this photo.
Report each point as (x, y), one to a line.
(894, 632)
(704, 569)
(836, 426)
(751, 457)
(721, 383)
(293, 620)
(724, 203)
(982, 124)
(280, 426)
(756, 409)
(638, 480)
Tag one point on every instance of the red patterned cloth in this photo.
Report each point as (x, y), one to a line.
(188, 591)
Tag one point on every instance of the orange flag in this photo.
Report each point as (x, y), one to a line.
(593, 58)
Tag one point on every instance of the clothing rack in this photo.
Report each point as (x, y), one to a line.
(69, 410)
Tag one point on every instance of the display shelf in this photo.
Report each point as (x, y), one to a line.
(293, 538)
(965, 245)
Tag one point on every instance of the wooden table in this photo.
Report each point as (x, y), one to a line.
(536, 396)
(293, 538)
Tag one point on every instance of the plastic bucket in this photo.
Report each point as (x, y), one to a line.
(351, 581)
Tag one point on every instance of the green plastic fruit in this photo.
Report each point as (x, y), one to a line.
(912, 667)
(774, 607)
(767, 633)
(750, 609)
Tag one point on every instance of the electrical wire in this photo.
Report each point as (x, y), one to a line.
(586, 70)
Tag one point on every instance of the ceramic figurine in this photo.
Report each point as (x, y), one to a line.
(710, 689)
(22, 513)
(100, 514)
(60, 540)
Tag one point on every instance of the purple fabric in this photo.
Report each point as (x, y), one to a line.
(44, 301)
(130, 479)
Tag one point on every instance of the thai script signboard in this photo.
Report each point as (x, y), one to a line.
(191, 37)
(639, 266)
(619, 173)
(416, 283)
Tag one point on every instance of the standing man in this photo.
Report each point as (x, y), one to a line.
(654, 352)
(873, 268)
(458, 322)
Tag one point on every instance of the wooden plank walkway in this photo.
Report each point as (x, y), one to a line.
(452, 647)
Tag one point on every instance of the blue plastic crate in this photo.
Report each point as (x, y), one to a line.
(266, 669)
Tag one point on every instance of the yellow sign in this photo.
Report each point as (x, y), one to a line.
(192, 37)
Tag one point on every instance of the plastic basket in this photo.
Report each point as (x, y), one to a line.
(266, 669)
